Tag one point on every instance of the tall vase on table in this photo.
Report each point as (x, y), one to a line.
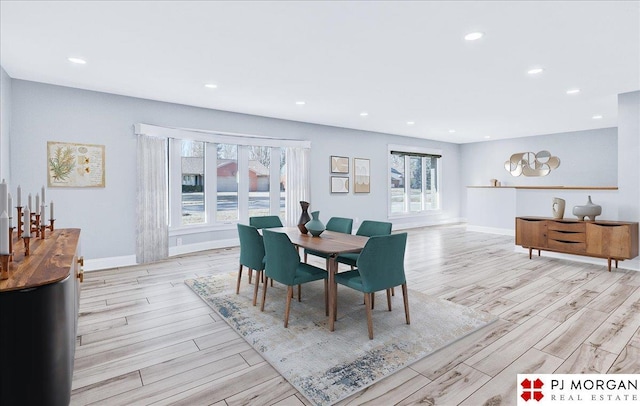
(304, 217)
(315, 226)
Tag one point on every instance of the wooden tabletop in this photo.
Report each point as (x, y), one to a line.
(50, 260)
(329, 242)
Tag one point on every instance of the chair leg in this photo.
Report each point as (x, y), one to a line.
(288, 305)
(299, 293)
(389, 299)
(305, 257)
(393, 291)
(264, 292)
(367, 305)
(326, 297)
(239, 278)
(405, 296)
(256, 287)
(373, 300)
(250, 275)
(335, 302)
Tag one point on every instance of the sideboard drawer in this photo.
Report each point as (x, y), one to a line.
(567, 236)
(569, 247)
(570, 227)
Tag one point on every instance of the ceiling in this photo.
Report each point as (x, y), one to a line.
(397, 61)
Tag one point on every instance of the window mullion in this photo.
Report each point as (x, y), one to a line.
(175, 183)
(243, 184)
(210, 182)
(274, 181)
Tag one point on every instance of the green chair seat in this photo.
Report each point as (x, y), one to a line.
(283, 265)
(380, 267)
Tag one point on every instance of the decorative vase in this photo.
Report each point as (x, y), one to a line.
(315, 226)
(589, 210)
(304, 217)
(557, 207)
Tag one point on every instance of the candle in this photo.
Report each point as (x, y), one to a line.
(51, 211)
(42, 194)
(42, 213)
(37, 201)
(27, 223)
(10, 205)
(19, 196)
(4, 233)
(29, 202)
(3, 197)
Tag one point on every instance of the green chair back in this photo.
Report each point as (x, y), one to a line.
(282, 258)
(251, 247)
(381, 262)
(369, 228)
(261, 222)
(340, 225)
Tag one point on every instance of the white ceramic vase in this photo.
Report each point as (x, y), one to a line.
(557, 208)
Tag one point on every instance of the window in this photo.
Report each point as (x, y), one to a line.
(221, 183)
(413, 180)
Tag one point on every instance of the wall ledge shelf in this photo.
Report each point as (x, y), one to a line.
(548, 187)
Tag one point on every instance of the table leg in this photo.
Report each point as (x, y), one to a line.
(332, 269)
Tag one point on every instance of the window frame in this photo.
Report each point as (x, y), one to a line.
(412, 151)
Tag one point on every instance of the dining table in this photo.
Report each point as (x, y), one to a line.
(332, 244)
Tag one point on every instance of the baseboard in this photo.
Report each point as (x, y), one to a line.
(128, 260)
(425, 223)
(491, 230)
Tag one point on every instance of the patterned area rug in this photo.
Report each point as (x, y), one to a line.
(327, 367)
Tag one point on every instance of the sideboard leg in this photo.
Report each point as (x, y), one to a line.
(609, 264)
(530, 250)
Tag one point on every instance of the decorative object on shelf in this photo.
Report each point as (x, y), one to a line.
(588, 210)
(75, 165)
(493, 182)
(315, 226)
(362, 175)
(530, 164)
(339, 184)
(557, 208)
(339, 164)
(304, 217)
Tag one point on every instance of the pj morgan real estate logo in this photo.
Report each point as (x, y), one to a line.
(578, 389)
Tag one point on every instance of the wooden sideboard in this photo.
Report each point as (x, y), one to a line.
(613, 240)
(39, 320)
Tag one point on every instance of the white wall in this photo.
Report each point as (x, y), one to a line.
(629, 155)
(42, 113)
(5, 124)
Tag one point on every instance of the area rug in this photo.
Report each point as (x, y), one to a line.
(325, 366)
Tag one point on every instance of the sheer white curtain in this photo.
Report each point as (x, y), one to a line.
(297, 186)
(152, 240)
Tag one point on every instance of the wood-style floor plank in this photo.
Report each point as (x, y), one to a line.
(145, 338)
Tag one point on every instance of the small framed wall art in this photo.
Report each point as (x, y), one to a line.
(361, 177)
(339, 164)
(75, 165)
(339, 184)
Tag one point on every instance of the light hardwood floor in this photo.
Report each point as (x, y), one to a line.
(145, 338)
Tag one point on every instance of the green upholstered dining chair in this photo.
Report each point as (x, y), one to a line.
(251, 255)
(368, 228)
(261, 222)
(380, 267)
(337, 224)
(283, 264)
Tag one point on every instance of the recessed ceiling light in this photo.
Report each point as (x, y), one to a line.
(573, 91)
(411, 122)
(487, 137)
(472, 36)
(535, 71)
(301, 103)
(79, 61)
(364, 114)
(597, 117)
(211, 86)
(452, 131)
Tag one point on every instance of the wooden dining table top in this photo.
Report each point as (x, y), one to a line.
(329, 242)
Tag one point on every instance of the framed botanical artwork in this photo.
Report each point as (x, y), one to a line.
(75, 165)
(339, 164)
(339, 184)
(361, 177)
